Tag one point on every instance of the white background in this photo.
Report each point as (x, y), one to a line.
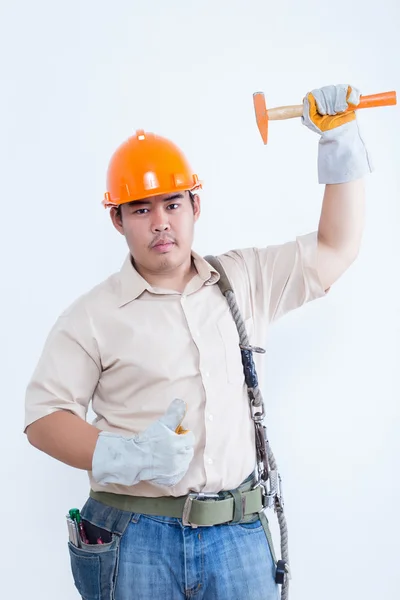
(77, 78)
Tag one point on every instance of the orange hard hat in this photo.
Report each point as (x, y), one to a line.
(146, 165)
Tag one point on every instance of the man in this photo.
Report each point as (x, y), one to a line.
(174, 510)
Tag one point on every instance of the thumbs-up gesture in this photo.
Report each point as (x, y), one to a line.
(158, 454)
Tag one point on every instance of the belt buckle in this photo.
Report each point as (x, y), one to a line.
(187, 507)
(272, 491)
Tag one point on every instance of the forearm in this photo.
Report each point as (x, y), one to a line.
(342, 217)
(66, 437)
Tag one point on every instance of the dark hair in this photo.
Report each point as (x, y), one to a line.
(119, 212)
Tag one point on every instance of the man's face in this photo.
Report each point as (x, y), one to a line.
(159, 230)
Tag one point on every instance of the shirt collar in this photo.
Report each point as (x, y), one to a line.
(132, 284)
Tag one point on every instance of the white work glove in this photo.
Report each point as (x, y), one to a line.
(342, 155)
(158, 454)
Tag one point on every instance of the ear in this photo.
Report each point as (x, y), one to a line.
(196, 206)
(116, 220)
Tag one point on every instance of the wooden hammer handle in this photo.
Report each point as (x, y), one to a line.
(290, 112)
(285, 112)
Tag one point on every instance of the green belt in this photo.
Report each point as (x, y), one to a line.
(195, 509)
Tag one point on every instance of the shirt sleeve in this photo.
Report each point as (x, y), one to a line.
(68, 369)
(280, 277)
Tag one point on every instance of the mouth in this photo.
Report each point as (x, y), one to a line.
(163, 246)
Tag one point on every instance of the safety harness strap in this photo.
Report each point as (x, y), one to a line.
(269, 477)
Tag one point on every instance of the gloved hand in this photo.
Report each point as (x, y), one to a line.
(342, 155)
(158, 454)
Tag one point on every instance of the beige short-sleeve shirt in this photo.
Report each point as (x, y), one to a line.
(131, 349)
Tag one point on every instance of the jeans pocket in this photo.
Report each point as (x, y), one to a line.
(94, 569)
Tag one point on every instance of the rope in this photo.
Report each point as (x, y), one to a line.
(256, 400)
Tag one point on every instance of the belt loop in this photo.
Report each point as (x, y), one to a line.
(267, 531)
(239, 506)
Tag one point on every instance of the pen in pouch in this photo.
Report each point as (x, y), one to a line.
(76, 516)
(78, 534)
(72, 532)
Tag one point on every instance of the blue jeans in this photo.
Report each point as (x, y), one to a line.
(156, 558)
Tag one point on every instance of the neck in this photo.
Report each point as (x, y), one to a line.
(175, 279)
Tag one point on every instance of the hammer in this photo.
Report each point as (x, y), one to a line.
(290, 112)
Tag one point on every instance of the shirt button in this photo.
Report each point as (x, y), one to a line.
(207, 374)
(210, 461)
(210, 417)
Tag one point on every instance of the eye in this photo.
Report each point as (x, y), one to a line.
(140, 211)
(173, 206)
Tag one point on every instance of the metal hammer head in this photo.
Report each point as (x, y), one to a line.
(260, 108)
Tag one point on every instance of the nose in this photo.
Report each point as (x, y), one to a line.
(161, 227)
(160, 222)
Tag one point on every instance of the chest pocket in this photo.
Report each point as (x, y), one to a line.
(230, 340)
